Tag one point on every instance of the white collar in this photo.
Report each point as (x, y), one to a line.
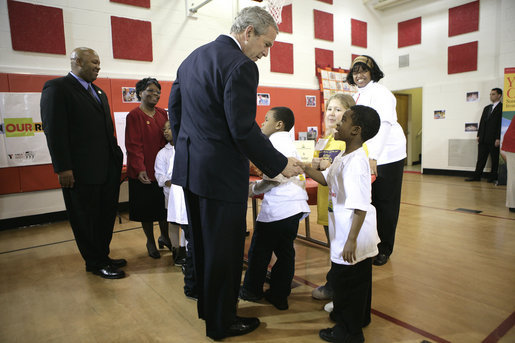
(234, 39)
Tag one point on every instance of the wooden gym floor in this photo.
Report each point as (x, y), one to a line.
(451, 279)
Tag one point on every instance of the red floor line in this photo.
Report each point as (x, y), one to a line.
(409, 326)
(501, 330)
(387, 317)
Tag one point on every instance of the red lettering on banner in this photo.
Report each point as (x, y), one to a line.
(10, 127)
(510, 93)
(510, 80)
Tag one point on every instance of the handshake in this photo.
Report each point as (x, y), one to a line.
(293, 168)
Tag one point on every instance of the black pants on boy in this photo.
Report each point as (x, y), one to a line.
(273, 237)
(352, 296)
(190, 284)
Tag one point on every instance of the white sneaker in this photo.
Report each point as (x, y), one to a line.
(322, 293)
(329, 307)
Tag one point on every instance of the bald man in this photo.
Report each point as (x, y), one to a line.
(86, 157)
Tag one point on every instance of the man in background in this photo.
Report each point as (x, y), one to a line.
(489, 137)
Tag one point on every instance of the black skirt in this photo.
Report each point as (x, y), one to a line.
(146, 202)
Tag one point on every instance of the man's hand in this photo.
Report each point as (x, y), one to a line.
(293, 168)
(373, 166)
(143, 177)
(497, 143)
(66, 179)
(168, 183)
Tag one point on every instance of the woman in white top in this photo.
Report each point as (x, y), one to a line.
(387, 150)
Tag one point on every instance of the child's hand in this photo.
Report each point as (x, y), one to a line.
(349, 251)
(168, 183)
(324, 164)
(315, 163)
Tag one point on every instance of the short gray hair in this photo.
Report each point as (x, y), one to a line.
(254, 16)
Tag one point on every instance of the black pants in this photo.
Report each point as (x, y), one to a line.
(218, 229)
(483, 150)
(92, 211)
(386, 198)
(273, 237)
(352, 296)
(190, 283)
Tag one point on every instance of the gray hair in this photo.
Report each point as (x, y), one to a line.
(254, 16)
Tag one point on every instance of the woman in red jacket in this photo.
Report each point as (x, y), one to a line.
(143, 140)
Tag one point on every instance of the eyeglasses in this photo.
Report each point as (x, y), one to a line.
(157, 91)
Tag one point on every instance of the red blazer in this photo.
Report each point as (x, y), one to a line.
(143, 140)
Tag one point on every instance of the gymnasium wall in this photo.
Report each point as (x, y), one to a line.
(174, 36)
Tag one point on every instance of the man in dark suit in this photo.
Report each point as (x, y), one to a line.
(489, 137)
(85, 155)
(212, 113)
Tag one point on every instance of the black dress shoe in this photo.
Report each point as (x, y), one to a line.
(473, 179)
(152, 251)
(242, 326)
(380, 259)
(279, 303)
(118, 263)
(107, 272)
(329, 335)
(249, 296)
(164, 242)
(512, 209)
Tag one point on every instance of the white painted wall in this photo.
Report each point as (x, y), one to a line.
(87, 23)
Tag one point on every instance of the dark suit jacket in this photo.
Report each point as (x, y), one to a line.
(490, 125)
(213, 118)
(79, 130)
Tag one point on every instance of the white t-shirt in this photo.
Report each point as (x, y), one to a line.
(290, 197)
(350, 188)
(174, 196)
(389, 145)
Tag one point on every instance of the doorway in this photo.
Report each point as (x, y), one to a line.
(409, 116)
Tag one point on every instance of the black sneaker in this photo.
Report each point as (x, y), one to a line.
(249, 296)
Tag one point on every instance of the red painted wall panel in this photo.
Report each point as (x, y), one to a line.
(324, 28)
(281, 58)
(286, 19)
(132, 39)
(358, 33)
(10, 180)
(409, 32)
(140, 3)
(36, 28)
(462, 58)
(464, 19)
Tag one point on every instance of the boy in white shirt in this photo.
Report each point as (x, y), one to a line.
(284, 205)
(352, 225)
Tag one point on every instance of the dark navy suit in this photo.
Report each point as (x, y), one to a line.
(80, 137)
(489, 131)
(212, 114)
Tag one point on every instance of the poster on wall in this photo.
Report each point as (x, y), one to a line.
(129, 95)
(263, 99)
(439, 114)
(311, 101)
(508, 100)
(22, 140)
(472, 96)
